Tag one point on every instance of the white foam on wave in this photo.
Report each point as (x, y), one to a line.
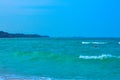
(98, 42)
(103, 56)
(93, 42)
(85, 42)
(13, 77)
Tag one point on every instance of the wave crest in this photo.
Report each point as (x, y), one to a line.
(103, 56)
(93, 42)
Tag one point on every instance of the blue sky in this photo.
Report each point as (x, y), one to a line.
(61, 18)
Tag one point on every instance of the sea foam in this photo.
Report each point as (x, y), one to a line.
(103, 56)
(93, 42)
(11, 77)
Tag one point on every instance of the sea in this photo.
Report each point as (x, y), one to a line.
(60, 59)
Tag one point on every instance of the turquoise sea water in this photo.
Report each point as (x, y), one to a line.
(60, 59)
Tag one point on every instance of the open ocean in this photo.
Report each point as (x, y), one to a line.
(60, 59)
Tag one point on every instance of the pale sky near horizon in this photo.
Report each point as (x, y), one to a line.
(61, 18)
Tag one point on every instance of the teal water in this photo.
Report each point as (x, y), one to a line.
(60, 59)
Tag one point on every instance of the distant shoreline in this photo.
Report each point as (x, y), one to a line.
(20, 35)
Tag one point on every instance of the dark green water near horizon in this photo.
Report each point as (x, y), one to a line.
(60, 58)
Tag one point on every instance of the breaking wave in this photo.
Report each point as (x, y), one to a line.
(15, 77)
(103, 56)
(93, 42)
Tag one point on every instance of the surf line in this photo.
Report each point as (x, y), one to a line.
(93, 42)
(103, 56)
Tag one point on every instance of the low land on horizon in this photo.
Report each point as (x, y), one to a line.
(20, 35)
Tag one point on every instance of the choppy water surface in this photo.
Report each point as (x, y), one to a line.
(60, 59)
